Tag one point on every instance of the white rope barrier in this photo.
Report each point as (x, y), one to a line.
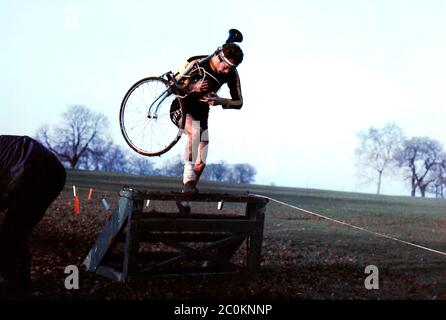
(351, 225)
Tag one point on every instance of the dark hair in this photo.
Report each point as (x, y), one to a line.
(233, 53)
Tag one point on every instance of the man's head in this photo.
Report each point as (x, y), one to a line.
(230, 56)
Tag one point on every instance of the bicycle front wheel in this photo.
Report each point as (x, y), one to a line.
(145, 117)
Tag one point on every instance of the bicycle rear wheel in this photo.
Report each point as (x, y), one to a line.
(145, 117)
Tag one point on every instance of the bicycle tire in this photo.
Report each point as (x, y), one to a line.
(149, 134)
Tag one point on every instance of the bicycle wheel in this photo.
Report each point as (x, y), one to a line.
(145, 117)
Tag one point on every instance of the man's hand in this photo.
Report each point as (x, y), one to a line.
(199, 86)
(213, 100)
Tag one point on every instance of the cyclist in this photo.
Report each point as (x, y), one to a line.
(209, 77)
(31, 177)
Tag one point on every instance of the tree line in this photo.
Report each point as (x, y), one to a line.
(419, 161)
(81, 141)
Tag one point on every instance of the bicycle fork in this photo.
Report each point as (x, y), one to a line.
(159, 100)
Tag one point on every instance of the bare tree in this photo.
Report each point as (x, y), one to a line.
(244, 173)
(142, 166)
(109, 157)
(74, 138)
(438, 186)
(375, 153)
(216, 171)
(174, 167)
(104, 155)
(421, 158)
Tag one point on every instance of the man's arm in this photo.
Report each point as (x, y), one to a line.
(236, 101)
(235, 90)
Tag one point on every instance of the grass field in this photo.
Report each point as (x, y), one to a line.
(304, 257)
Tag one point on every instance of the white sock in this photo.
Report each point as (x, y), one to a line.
(189, 173)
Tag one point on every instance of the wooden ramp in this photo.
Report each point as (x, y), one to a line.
(137, 242)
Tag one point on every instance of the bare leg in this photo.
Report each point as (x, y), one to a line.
(194, 159)
(196, 150)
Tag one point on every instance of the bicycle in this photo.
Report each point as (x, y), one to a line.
(151, 111)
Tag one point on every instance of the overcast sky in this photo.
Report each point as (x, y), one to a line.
(314, 74)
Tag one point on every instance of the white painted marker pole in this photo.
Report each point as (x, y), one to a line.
(105, 204)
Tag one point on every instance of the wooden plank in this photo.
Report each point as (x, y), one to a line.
(206, 197)
(188, 253)
(177, 215)
(195, 225)
(183, 236)
(112, 228)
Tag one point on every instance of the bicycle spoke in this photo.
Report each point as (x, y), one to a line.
(154, 133)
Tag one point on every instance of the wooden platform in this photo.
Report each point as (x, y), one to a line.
(137, 244)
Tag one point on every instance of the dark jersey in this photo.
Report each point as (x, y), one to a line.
(17, 154)
(199, 109)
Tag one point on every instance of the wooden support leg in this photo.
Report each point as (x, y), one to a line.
(130, 267)
(256, 210)
(112, 229)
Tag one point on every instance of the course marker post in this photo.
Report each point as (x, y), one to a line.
(76, 202)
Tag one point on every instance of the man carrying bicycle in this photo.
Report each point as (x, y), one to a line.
(213, 72)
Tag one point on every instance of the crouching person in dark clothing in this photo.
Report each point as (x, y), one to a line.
(31, 177)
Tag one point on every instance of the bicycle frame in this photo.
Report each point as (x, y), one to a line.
(174, 85)
(162, 96)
